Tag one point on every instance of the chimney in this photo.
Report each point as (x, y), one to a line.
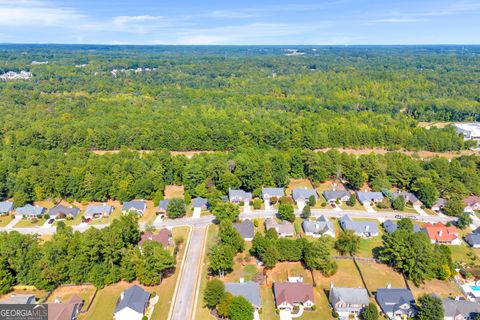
(367, 228)
(242, 280)
(440, 233)
(389, 285)
(331, 285)
(57, 300)
(122, 295)
(365, 190)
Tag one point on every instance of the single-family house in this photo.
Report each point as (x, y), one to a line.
(132, 304)
(409, 197)
(284, 228)
(321, 227)
(162, 206)
(137, 206)
(19, 299)
(65, 310)
(364, 229)
(62, 212)
(290, 294)
(301, 195)
(473, 239)
(460, 309)
(391, 226)
(396, 303)
(441, 234)
(438, 206)
(348, 301)
(249, 290)
(6, 207)
(200, 203)
(369, 197)
(332, 196)
(239, 196)
(30, 212)
(98, 211)
(472, 203)
(269, 193)
(246, 229)
(164, 237)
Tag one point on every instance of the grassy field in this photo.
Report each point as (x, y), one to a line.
(76, 221)
(149, 214)
(174, 192)
(297, 183)
(24, 223)
(380, 275)
(4, 220)
(117, 213)
(346, 276)
(64, 293)
(439, 287)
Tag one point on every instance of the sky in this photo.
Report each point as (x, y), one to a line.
(241, 22)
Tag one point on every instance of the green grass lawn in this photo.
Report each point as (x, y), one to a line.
(73, 222)
(116, 214)
(380, 275)
(25, 223)
(268, 304)
(4, 220)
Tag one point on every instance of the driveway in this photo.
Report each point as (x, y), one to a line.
(285, 315)
(197, 212)
(13, 222)
(420, 210)
(369, 208)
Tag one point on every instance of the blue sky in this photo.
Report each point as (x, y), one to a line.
(327, 22)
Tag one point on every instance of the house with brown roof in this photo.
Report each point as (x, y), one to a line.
(290, 294)
(163, 237)
(65, 310)
(441, 234)
(472, 203)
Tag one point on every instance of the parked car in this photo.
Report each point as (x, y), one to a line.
(398, 216)
(50, 221)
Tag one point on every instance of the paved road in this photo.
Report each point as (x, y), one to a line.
(184, 301)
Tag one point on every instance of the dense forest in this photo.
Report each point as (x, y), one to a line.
(262, 110)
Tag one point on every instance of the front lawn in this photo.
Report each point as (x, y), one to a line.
(4, 220)
(25, 223)
(116, 214)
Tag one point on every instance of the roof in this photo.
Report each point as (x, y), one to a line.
(63, 209)
(408, 196)
(199, 202)
(292, 292)
(471, 200)
(453, 308)
(30, 210)
(321, 226)
(138, 205)
(440, 232)
(390, 300)
(283, 227)
(249, 290)
(162, 237)
(97, 209)
(240, 194)
(19, 299)
(303, 193)
(358, 226)
(473, 239)
(245, 228)
(391, 226)
(440, 202)
(163, 204)
(273, 192)
(6, 206)
(64, 311)
(369, 196)
(356, 296)
(134, 298)
(335, 194)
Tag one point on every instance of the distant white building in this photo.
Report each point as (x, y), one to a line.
(471, 131)
(11, 75)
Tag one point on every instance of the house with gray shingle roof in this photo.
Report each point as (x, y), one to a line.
(365, 229)
(137, 206)
(473, 239)
(303, 194)
(408, 196)
(246, 229)
(249, 290)
(6, 207)
(333, 195)
(98, 211)
(438, 206)
(162, 206)
(391, 226)
(396, 303)
(348, 301)
(200, 202)
(239, 196)
(132, 304)
(19, 299)
(369, 197)
(30, 212)
(61, 212)
(284, 228)
(460, 309)
(268, 193)
(321, 227)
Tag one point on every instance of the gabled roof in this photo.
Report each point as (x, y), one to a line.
(471, 200)
(284, 227)
(64, 310)
(98, 209)
(321, 226)
(440, 202)
(163, 204)
(6, 206)
(369, 196)
(292, 292)
(440, 232)
(473, 239)
(467, 309)
(162, 237)
(303, 193)
(273, 192)
(137, 205)
(63, 209)
(356, 296)
(245, 228)
(249, 290)
(30, 210)
(408, 196)
(358, 226)
(391, 226)
(391, 300)
(19, 299)
(331, 195)
(199, 202)
(239, 194)
(134, 298)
